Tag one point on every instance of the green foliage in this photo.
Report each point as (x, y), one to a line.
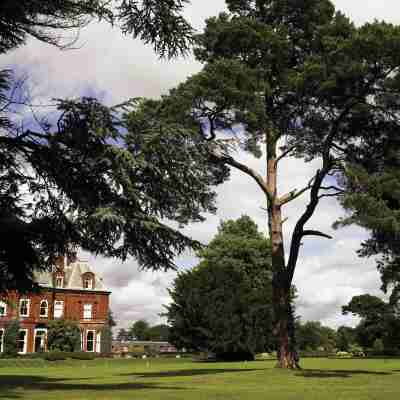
(379, 323)
(378, 345)
(159, 23)
(297, 77)
(345, 338)
(63, 336)
(123, 335)
(44, 202)
(139, 178)
(223, 305)
(56, 356)
(10, 340)
(106, 340)
(158, 333)
(313, 336)
(139, 330)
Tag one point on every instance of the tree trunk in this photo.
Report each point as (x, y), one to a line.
(282, 325)
(283, 316)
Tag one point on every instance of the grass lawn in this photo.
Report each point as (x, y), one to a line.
(321, 379)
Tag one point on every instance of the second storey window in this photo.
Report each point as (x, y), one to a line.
(3, 309)
(44, 308)
(58, 309)
(24, 308)
(87, 311)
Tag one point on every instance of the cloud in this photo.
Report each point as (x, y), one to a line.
(113, 68)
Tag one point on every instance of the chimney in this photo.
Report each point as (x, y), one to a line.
(72, 256)
(60, 263)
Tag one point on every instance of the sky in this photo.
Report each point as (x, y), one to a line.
(113, 68)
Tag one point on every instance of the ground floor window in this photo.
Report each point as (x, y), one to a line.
(90, 340)
(40, 340)
(3, 309)
(1, 340)
(22, 341)
(98, 342)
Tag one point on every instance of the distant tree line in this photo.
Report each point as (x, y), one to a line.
(142, 330)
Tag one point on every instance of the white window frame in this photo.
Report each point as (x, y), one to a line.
(94, 341)
(44, 338)
(3, 304)
(98, 342)
(25, 341)
(86, 315)
(28, 306)
(88, 283)
(2, 339)
(40, 309)
(59, 302)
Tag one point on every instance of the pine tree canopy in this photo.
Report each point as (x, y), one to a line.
(294, 78)
(157, 22)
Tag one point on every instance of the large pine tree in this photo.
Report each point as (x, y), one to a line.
(303, 81)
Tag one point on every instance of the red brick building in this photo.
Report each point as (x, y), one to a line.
(72, 292)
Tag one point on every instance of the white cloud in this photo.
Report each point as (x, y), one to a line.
(116, 68)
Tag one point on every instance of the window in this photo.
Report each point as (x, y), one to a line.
(44, 308)
(88, 283)
(40, 340)
(1, 340)
(98, 342)
(3, 309)
(90, 342)
(24, 308)
(22, 341)
(58, 309)
(59, 282)
(87, 311)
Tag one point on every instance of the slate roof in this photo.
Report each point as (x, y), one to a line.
(72, 277)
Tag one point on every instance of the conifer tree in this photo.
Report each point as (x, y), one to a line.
(303, 81)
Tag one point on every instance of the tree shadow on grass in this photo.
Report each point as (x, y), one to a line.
(336, 373)
(10, 383)
(187, 372)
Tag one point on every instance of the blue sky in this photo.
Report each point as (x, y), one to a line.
(114, 68)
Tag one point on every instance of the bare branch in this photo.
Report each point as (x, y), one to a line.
(294, 194)
(332, 187)
(310, 232)
(330, 194)
(284, 154)
(247, 170)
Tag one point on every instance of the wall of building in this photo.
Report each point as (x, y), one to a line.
(74, 301)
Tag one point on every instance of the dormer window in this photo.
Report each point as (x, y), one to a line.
(88, 280)
(88, 283)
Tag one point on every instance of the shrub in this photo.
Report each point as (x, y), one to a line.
(80, 355)
(106, 340)
(55, 356)
(378, 346)
(10, 340)
(315, 353)
(63, 336)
